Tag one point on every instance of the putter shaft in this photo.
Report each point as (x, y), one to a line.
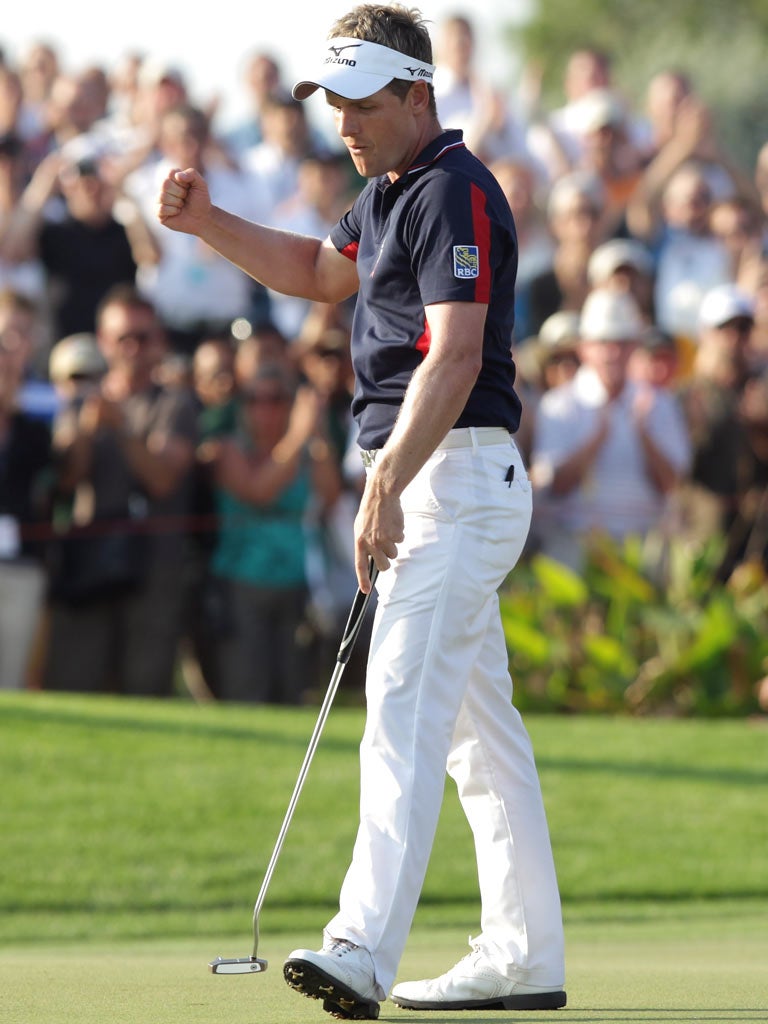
(252, 964)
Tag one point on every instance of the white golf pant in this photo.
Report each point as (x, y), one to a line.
(439, 696)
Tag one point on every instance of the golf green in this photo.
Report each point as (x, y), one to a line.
(634, 971)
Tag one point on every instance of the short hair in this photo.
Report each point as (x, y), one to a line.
(18, 302)
(581, 184)
(460, 21)
(126, 295)
(196, 119)
(395, 26)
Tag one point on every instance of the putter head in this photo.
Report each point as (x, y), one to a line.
(244, 965)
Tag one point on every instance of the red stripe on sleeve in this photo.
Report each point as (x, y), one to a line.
(350, 251)
(423, 343)
(482, 230)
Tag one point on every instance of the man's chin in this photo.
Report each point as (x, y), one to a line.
(364, 168)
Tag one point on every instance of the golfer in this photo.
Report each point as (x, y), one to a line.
(429, 247)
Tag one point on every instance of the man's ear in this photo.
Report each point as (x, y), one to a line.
(418, 97)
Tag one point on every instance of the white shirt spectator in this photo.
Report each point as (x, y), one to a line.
(688, 266)
(192, 283)
(617, 496)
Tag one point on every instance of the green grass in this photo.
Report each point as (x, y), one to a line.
(641, 978)
(135, 835)
(126, 819)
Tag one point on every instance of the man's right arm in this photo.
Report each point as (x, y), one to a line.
(286, 262)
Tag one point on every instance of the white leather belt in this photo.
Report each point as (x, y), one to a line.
(459, 437)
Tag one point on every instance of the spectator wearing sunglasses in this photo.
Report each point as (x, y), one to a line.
(270, 480)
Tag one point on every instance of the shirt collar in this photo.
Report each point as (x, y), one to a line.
(448, 140)
(453, 138)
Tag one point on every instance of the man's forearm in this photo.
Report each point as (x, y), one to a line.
(661, 472)
(434, 401)
(158, 472)
(569, 475)
(281, 260)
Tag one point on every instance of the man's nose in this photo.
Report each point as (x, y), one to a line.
(347, 124)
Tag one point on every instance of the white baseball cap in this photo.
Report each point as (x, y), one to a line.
(608, 315)
(723, 303)
(76, 355)
(356, 68)
(560, 330)
(618, 252)
(599, 109)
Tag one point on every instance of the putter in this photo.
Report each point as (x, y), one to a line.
(253, 964)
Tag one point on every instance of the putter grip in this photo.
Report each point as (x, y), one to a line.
(355, 620)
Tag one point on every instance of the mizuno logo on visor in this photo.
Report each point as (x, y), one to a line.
(339, 49)
(362, 72)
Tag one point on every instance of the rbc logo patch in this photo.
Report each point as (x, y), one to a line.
(466, 261)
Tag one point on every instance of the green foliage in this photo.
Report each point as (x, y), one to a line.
(721, 45)
(616, 640)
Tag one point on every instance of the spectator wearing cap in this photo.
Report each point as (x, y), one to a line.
(76, 365)
(551, 357)
(556, 141)
(726, 406)
(543, 362)
(574, 211)
(726, 318)
(607, 451)
(606, 150)
(626, 265)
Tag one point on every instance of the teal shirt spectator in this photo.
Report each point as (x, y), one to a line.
(264, 546)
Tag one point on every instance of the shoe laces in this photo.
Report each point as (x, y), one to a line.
(339, 946)
(476, 950)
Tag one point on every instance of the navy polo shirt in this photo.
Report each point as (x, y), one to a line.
(443, 232)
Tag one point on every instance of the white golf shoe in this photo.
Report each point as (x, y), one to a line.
(474, 984)
(341, 974)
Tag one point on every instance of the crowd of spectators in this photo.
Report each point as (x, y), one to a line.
(178, 468)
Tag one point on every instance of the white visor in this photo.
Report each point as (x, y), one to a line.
(356, 68)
